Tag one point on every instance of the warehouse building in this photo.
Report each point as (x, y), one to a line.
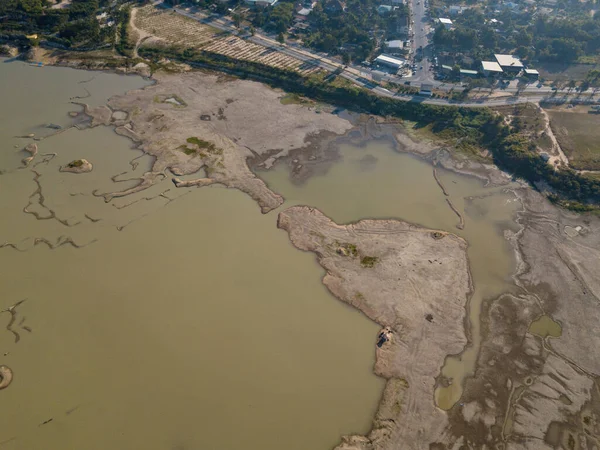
(490, 68)
(509, 63)
(390, 62)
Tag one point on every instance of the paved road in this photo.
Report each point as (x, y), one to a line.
(421, 41)
(357, 76)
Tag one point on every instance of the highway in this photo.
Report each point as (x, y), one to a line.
(358, 76)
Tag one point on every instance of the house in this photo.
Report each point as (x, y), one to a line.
(468, 73)
(455, 10)
(532, 73)
(490, 68)
(265, 3)
(382, 10)
(304, 12)
(509, 63)
(426, 89)
(446, 22)
(390, 62)
(395, 47)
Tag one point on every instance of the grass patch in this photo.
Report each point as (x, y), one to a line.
(76, 163)
(579, 136)
(201, 143)
(205, 145)
(346, 249)
(188, 151)
(295, 99)
(544, 142)
(369, 261)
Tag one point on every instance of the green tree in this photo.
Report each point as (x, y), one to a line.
(238, 18)
(281, 37)
(456, 71)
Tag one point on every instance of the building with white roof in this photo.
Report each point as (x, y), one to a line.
(456, 9)
(490, 68)
(446, 22)
(396, 47)
(509, 63)
(382, 10)
(390, 61)
(261, 2)
(532, 73)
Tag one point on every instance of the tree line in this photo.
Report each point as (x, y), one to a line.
(468, 127)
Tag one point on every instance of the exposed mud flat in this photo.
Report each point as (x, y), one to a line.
(413, 281)
(194, 121)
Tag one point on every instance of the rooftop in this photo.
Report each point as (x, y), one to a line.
(531, 72)
(508, 61)
(468, 72)
(390, 60)
(265, 2)
(384, 8)
(445, 21)
(395, 44)
(491, 66)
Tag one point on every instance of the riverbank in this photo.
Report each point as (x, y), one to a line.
(202, 129)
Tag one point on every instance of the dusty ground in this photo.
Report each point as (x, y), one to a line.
(531, 392)
(414, 282)
(159, 26)
(194, 122)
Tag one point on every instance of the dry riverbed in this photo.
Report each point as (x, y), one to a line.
(208, 126)
(530, 389)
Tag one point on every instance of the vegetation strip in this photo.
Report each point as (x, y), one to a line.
(468, 128)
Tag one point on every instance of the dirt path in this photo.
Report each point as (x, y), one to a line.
(141, 35)
(559, 154)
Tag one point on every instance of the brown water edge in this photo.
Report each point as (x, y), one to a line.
(189, 321)
(373, 180)
(545, 326)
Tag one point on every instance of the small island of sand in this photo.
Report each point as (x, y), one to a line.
(6, 376)
(78, 166)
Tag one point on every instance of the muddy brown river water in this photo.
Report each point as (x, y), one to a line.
(375, 181)
(196, 326)
(186, 319)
